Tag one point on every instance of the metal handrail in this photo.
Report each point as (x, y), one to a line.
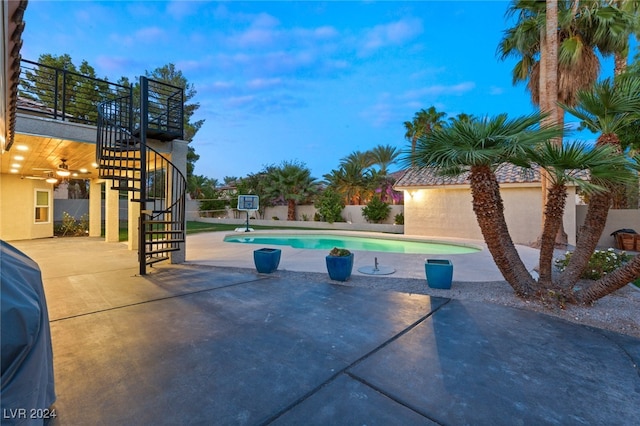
(64, 95)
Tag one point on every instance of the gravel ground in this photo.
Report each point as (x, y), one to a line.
(616, 312)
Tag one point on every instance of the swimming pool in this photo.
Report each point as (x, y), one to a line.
(329, 241)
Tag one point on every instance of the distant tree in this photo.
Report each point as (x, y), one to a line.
(293, 183)
(384, 156)
(424, 122)
(170, 75)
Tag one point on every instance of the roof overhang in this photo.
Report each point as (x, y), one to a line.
(12, 27)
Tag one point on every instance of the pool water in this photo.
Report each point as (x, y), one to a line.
(327, 242)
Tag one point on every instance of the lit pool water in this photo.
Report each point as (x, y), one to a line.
(329, 241)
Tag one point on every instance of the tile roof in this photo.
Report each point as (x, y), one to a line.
(506, 173)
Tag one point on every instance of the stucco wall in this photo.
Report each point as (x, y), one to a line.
(17, 209)
(448, 212)
(617, 219)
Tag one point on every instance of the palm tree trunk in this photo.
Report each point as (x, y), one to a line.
(588, 237)
(610, 282)
(489, 210)
(291, 210)
(552, 223)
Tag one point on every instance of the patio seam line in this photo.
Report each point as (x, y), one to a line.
(153, 300)
(615, 343)
(387, 395)
(353, 364)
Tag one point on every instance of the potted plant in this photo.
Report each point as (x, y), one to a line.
(339, 264)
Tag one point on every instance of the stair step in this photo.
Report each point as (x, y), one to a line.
(168, 231)
(126, 188)
(118, 167)
(165, 250)
(153, 260)
(161, 222)
(165, 241)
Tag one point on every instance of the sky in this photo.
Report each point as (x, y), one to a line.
(307, 82)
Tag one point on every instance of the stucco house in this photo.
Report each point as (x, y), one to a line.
(439, 206)
(119, 152)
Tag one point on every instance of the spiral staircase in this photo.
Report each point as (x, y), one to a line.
(125, 158)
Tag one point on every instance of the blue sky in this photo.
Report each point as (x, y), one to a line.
(295, 81)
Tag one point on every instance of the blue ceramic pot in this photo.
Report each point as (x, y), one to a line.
(439, 273)
(266, 260)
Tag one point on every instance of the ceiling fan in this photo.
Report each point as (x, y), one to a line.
(62, 171)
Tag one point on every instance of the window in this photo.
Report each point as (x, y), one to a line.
(42, 206)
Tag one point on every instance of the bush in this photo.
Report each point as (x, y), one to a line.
(330, 205)
(601, 263)
(399, 219)
(339, 252)
(70, 227)
(376, 211)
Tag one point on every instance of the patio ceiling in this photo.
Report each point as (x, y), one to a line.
(37, 156)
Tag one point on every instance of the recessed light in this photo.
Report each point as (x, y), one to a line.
(22, 148)
(83, 170)
(15, 165)
(14, 170)
(94, 164)
(18, 158)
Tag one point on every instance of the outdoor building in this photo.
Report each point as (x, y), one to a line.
(94, 136)
(437, 206)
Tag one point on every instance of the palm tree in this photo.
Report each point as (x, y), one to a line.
(479, 147)
(384, 156)
(292, 182)
(424, 122)
(558, 63)
(566, 164)
(609, 108)
(352, 181)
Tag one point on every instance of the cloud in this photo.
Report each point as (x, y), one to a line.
(115, 65)
(439, 90)
(391, 34)
(264, 83)
(494, 90)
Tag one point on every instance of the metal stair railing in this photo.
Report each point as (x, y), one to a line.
(160, 184)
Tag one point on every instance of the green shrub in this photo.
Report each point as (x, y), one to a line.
(376, 211)
(70, 227)
(601, 263)
(399, 219)
(330, 205)
(339, 252)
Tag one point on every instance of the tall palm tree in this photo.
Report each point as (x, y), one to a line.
(384, 156)
(479, 147)
(424, 122)
(558, 63)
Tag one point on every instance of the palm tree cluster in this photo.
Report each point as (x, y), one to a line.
(479, 146)
(363, 175)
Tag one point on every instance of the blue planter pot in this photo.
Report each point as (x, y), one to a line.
(340, 267)
(266, 259)
(439, 273)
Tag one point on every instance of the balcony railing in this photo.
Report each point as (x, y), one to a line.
(64, 95)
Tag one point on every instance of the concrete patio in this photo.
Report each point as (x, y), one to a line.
(203, 343)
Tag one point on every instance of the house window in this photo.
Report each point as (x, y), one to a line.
(43, 199)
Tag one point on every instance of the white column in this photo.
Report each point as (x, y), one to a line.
(112, 215)
(95, 207)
